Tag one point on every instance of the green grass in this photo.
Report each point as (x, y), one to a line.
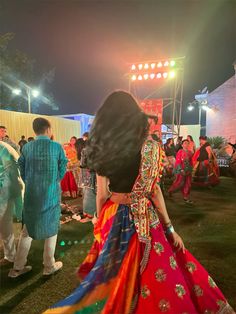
(208, 230)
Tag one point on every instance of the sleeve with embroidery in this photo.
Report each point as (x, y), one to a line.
(150, 174)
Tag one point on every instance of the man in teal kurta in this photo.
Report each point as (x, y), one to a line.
(42, 165)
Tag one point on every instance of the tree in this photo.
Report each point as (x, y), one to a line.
(19, 70)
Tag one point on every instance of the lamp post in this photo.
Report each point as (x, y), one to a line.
(202, 105)
(29, 93)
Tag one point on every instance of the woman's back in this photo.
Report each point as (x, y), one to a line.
(123, 180)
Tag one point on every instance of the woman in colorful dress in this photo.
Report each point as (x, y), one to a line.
(138, 263)
(71, 180)
(205, 167)
(183, 171)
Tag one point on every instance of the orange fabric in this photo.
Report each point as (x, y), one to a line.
(108, 212)
(122, 295)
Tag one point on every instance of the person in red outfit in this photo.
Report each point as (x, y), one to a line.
(183, 170)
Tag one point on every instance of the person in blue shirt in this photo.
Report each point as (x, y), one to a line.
(42, 166)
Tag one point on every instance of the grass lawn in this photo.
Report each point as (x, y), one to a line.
(208, 230)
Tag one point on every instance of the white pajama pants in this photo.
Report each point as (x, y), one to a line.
(7, 234)
(24, 247)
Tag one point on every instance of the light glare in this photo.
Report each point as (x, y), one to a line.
(204, 107)
(35, 93)
(16, 91)
(172, 74)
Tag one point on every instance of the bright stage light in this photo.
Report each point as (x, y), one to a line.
(166, 64)
(16, 91)
(146, 66)
(145, 76)
(172, 74)
(159, 65)
(152, 76)
(140, 66)
(153, 65)
(140, 77)
(134, 77)
(172, 63)
(190, 108)
(133, 67)
(165, 75)
(158, 75)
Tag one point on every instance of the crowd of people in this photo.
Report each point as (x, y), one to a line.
(119, 166)
(190, 165)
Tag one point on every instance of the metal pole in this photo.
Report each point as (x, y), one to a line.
(200, 115)
(181, 101)
(174, 106)
(28, 91)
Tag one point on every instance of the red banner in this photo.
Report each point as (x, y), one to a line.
(153, 107)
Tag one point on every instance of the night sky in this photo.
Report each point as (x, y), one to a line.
(91, 43)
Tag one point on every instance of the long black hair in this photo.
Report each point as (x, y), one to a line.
(117, 134)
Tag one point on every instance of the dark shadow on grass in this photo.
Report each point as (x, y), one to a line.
(12, 303)
(192, 217)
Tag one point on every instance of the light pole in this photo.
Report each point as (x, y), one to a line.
(202, 105)
(29, 93)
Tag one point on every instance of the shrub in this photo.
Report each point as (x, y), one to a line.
(216, 142)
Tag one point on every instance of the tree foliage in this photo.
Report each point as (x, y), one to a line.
(216, 142)
(18, 70)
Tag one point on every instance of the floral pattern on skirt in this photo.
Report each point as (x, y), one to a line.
(172, 282)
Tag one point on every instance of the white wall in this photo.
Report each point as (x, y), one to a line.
(193, 130)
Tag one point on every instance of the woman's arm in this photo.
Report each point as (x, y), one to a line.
(158, 201)
(102, 192)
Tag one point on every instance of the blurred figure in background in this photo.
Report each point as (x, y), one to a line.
(178, 144)
(89, 188)
(11, 187)
(191, 146)
(206, 170)
(5, 138)
(71, 180)
(22, 142)
(170, 154)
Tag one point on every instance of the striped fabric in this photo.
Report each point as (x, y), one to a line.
(103, 287)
